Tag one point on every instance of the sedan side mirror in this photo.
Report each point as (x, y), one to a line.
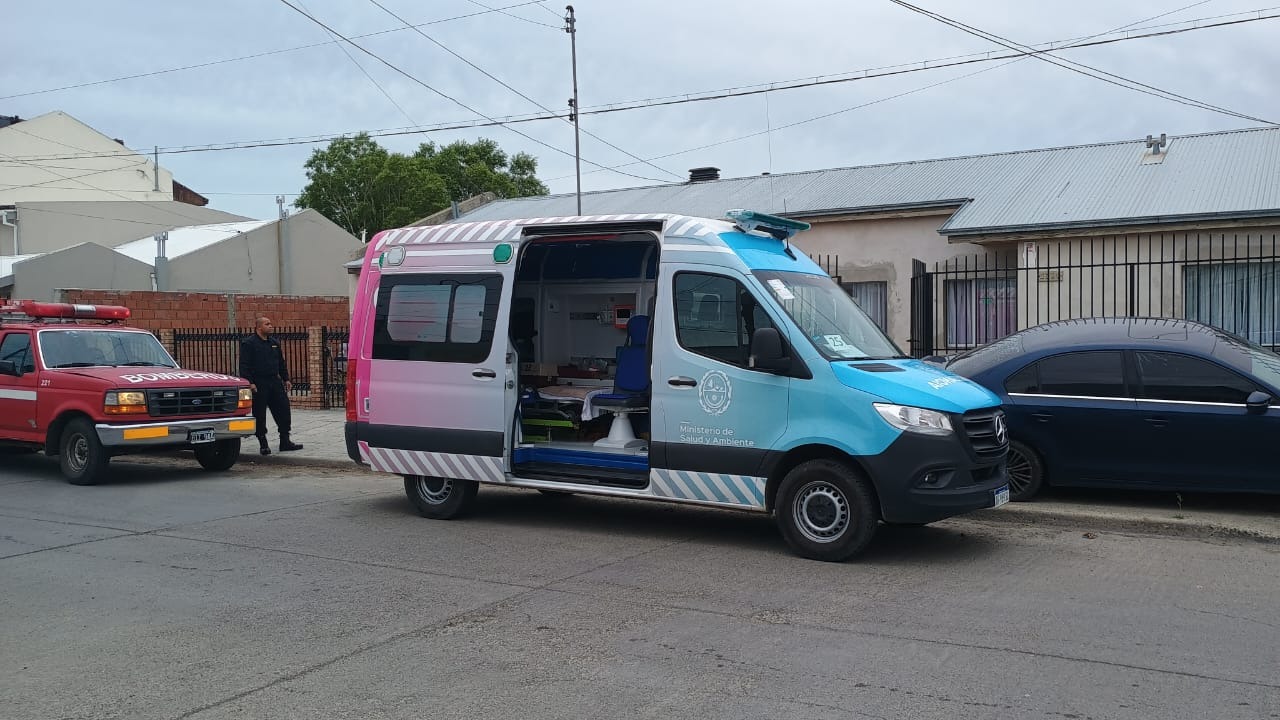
(1258, 402)
(9, 367)
(766, 351)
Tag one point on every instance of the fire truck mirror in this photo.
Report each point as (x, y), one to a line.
(9, 367)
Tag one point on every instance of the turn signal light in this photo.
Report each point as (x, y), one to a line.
(125, 403)
(245, 402)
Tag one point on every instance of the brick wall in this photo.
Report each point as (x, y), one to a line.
(156, 311)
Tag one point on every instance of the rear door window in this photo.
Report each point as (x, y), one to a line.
(1182, 378)
(436, 317)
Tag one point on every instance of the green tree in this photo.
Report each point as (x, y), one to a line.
(469, 169)
(361, 186)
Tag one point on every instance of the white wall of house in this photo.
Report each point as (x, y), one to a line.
(66, 174)
(87, 265)
(49, 226)
(313, 248)
(880, 250)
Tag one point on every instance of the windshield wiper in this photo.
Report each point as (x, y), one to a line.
(879, 357)
(143, 363)
(76, 364)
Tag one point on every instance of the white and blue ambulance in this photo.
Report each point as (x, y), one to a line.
(657, 357)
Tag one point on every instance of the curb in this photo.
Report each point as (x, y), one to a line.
(281, 459)
(1048, 515)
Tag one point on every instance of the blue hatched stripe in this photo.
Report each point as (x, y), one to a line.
(736, 490)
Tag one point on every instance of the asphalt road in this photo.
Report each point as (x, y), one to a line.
(291, 593)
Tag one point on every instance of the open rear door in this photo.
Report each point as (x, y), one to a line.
(442, 374)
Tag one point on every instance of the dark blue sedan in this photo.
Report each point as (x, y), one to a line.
(1131, 402)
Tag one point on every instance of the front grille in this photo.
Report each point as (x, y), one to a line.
(986, 432)
(191, 401)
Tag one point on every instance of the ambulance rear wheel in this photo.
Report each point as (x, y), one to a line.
(826, 511)
(441, 498)
(81, 455)
(218, 456)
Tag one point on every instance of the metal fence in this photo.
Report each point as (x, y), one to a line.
(334, 365)
(1230, 281)
(219, 351)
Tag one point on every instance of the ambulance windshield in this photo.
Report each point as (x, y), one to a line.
(829, 317)
(102, 348)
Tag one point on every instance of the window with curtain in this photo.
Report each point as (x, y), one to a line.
(1241, 298)
(980, 310)
(873, 298)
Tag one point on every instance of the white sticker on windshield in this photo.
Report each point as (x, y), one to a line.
(836, 342)
(781, 290)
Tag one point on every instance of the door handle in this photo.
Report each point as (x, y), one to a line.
(1042, 417)
(1158, 422)
(682, 381)
(483, 373)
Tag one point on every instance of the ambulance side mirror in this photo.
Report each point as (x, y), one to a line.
(9, 367)
(767, 352)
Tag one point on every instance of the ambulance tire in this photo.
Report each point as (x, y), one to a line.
(826, 511)
(81, 455)
(218, 456)
(441, 498)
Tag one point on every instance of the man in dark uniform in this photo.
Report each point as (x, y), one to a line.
(262, 364)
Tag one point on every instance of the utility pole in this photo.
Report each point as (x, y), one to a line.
(570, 26)
(155, 170)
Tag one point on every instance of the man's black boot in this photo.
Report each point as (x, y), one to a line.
(263, 447)
(286, 444)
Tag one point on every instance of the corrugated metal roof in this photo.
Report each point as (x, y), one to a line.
(185, 240)
(1213, 174)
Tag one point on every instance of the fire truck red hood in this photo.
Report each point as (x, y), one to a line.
(145, 377)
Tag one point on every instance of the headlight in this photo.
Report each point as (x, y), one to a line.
(125, 402)
(914, 419)
(126, 398)
(245, 400)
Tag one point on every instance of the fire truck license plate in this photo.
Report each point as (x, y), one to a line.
(201, 436)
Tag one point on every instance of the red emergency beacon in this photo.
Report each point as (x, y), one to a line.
(73, 311)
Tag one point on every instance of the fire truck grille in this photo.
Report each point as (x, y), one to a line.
(191, 401)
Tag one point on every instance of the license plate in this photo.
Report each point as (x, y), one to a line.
(203, 436)
(1001, 496)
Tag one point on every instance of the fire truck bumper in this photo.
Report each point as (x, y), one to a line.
(183, 432)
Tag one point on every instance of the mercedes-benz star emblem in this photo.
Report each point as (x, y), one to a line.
(1002, 433)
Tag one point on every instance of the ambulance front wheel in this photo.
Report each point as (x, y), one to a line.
(441, 498)
(826, 511)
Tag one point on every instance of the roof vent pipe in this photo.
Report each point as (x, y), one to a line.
(703, 174)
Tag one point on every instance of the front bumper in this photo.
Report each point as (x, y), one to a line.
(172, 433)
(960, 484)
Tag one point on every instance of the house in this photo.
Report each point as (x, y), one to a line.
(296, 255)
(949, 253)
(78, 206)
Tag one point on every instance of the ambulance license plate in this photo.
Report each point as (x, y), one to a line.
(203, 436)
(1001, 496)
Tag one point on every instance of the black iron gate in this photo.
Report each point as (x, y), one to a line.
(219, 351)
(334, 365)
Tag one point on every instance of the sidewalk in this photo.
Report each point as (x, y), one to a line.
(1253, 517)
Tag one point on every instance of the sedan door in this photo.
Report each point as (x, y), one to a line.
(1076, 411)
(1196, 419)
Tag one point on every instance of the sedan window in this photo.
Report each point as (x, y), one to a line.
(1083, 374)
(1168, 376)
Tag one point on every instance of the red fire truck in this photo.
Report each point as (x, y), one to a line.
(76, 383)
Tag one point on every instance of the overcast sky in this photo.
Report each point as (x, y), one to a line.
(626, 51)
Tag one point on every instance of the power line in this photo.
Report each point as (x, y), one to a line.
(1081, 68)
(513, 15)
(869, 74)
(254, 55)
(824, 116)
(371, 79)
(494, 78)
(446, 96)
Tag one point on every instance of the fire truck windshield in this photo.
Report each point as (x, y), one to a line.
(102, 348)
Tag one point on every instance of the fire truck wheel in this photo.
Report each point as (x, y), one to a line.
(218, 456)
(83, 459)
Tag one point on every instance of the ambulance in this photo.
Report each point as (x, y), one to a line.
(655, 357)
(76, 383)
